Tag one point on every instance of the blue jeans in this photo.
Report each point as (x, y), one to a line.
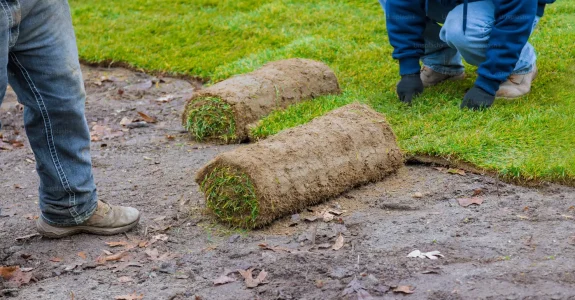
(39, 58)
(446, 45)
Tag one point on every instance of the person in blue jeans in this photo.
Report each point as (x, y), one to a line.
(490, 34)
(39, 58)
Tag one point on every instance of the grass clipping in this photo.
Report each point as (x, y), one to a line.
(224, 111)
(251, 186)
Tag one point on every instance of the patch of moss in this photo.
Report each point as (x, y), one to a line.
(211, 118)
(231, 196)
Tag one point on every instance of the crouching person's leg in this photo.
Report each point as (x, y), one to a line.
(474, 43)
(45, 73)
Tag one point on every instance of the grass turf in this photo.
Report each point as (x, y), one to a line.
(231, 196)
(211, 118)
(531, 138)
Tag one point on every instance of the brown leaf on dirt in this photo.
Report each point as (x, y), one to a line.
(223, 280)
(100, 132)
(327, 216)
(117, 244)
(170, 137)
(440, 169)
(7, 272)
(125, 121)
(143, 244)
(252, 282)
(465, 202)
(14, 277)
(132, 296)
(154, 255)
(125, 279)
(405, 289)
(456, 171)
(82, 255)
(55, 259)
(338, 242)
(274, 248)
(147, 118)
(159, 237)
(477, 192)
(117, 256)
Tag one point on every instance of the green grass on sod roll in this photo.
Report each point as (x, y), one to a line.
(231, 196)
(211, 117)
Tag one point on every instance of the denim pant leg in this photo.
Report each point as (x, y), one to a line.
(45, 74)
(473, 44)
(438, 55)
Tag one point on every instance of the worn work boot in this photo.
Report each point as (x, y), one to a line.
(517, 85)
(431, 78)
(106, 220)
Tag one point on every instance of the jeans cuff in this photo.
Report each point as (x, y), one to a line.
(523, 71)
(75, 221)
(447, 70)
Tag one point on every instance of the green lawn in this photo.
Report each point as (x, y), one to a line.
(532, 138)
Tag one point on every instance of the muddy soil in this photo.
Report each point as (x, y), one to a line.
(518, 244)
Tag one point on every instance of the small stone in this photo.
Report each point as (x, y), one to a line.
(418, 195)
(167, 268)
(339, 273)
(234, 238)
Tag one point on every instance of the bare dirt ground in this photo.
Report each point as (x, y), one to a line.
(518, 244)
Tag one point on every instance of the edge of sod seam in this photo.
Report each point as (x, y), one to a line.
(211, 118)
(231, 196)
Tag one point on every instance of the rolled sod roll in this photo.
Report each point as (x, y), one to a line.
(224, 110)
(253, 185)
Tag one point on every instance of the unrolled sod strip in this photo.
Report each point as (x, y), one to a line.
(253, 185)
(224, 110)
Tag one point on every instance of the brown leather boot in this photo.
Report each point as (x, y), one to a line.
(106, 220)
(517, 85)
(431, 78)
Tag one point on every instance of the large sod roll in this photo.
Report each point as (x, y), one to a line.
(251, 186)
(224, 110)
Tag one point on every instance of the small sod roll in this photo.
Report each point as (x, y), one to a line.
(223, 111)
(253, 185)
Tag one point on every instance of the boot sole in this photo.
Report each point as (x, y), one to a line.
(53, 232)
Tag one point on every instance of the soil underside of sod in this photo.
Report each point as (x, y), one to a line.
(211, 118)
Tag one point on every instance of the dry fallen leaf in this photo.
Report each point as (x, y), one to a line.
(465, 202)
(82, 254)
(55, 259)
(327, 216)
(125, 279)
(133, 296)
(223, 280)
(143, 244)
(406, 289)
(116, 256)
(274, 248)
(147, 118)
(7, 272)
(456, 171)
(338, 242)
(253, 282)
(14, 277)
(125, 121)
(117, 244)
